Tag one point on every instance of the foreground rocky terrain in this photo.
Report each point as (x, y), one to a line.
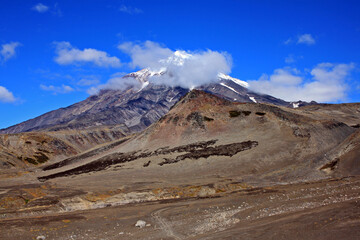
(208, 169)
(326, 209)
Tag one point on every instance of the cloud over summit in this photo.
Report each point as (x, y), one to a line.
(145, 55)
(187, 69)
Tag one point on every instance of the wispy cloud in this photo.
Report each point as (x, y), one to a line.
(6, 96)
(8, 51)
(56, 10)
(41, 8)
(306, 39)
(288, 41)
(326, 83)
(67, 54)
(290, 59)
(130, 10)
(88, 81)
(57, 89)
(115, 83)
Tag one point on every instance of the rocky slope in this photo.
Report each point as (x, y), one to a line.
(130, 109)
(348, 113)
(28, 150)
(204, 135)
(344, 160)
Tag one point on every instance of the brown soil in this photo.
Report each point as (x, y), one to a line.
(327, 209)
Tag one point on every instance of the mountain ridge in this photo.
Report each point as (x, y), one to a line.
(135, 108)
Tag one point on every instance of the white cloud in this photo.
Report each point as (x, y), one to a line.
(8, 51)
(147, 54)
(41, 8)
(67, 54)
(327, 83)
(130, 10)
(115, 83)
(118, 74)
(6, 96)
(196, 69)
(183, 68)
(306, 39)
(286, 77)
(179, 68)
(57, 89)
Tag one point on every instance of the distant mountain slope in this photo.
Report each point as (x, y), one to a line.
(131, 109)
(204, 136)
(135, 109)
(24, 150)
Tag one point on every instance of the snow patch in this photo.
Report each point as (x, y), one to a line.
(144, 74)
(295, 105)
(223, 84)
(253, 99)
(178, 58)
(235, 80)
(144, 85)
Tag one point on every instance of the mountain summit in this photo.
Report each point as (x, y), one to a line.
(136, 107)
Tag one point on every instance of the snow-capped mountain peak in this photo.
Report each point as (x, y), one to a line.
(223, 76)
(178, 58)
(144, 74)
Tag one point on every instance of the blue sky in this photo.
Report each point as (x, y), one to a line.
(53, 52)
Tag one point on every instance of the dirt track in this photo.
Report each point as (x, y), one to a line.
(328, 209)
